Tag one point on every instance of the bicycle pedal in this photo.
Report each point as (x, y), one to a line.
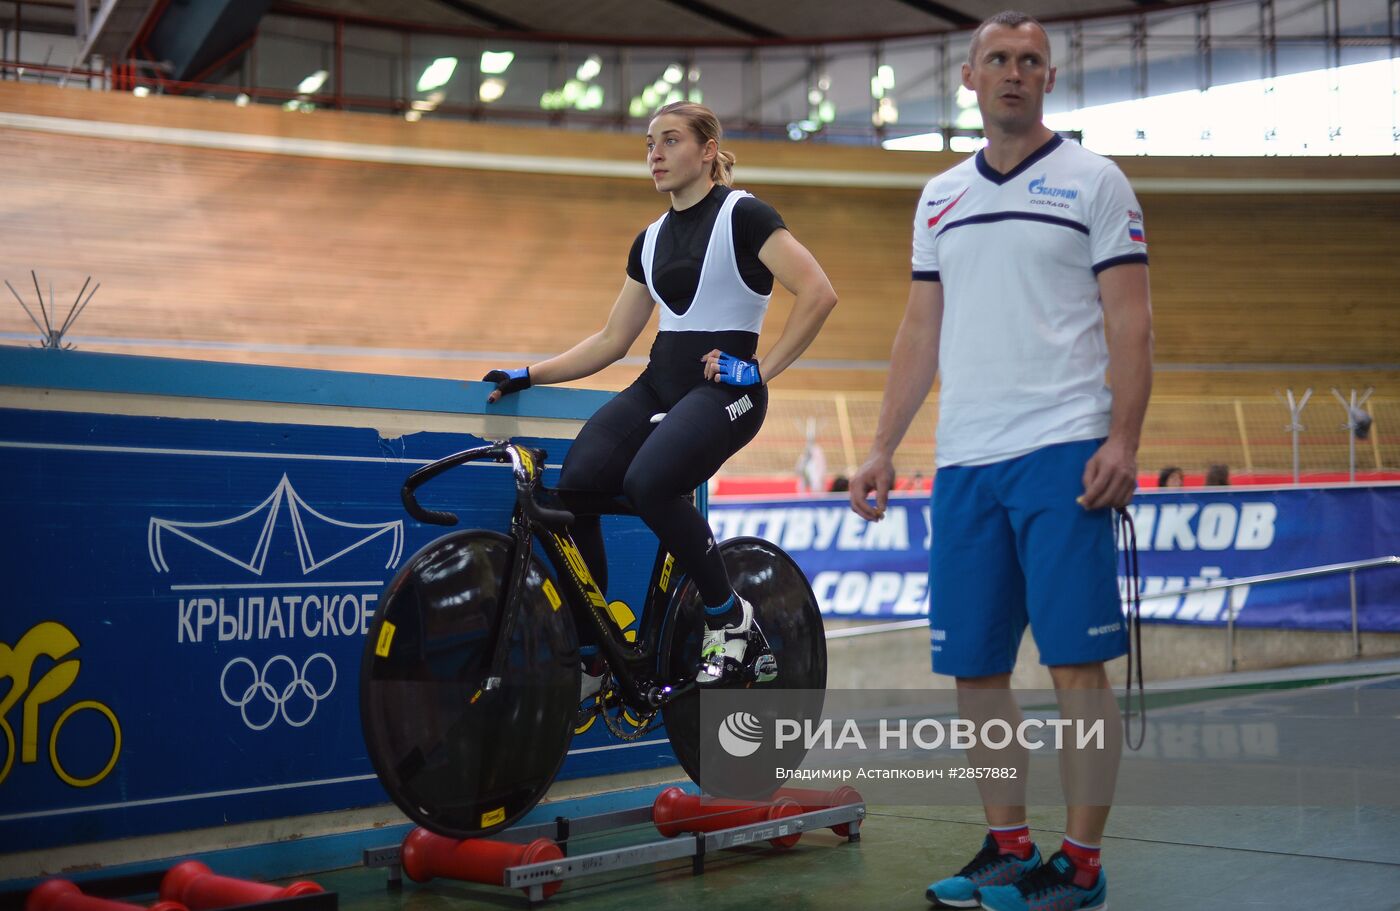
(765, 668)
(583, 714)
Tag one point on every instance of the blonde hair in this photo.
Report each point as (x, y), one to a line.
(705, 125)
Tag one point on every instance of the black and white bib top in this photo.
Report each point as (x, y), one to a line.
(702, 268)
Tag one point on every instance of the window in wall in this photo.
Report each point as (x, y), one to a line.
(785, 73)
(924, 75)
(839, 96)
(373, 64)
(720, 80)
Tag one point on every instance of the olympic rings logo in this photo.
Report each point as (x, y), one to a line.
(292, 692)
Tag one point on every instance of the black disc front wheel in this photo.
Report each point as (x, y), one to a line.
(460, 758)
(786, 610)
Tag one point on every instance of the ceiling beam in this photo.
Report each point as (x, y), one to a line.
(40, 28)
(115, 26)
(944, 12)
(725, 18)
(491, 18)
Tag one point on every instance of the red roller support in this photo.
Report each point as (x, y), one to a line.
(426, 856)
(194, 885)
(675, 812)
(810, 799)
(61, 895)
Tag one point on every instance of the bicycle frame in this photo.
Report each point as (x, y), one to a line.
(634, 664)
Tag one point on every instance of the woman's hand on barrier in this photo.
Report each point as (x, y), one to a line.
(731, 370)
(507, 381)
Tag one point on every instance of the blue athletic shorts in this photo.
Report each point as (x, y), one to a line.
(1010, 547)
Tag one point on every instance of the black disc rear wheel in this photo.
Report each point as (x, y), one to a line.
(787, 612)
(459, 760)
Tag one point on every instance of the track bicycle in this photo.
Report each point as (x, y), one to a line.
(470, 682)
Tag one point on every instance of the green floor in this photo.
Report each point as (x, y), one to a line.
(1157, 857)
(1187, 858)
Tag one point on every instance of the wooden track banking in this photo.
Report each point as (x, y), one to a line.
(362, 265)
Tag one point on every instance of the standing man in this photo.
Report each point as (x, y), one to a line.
(1029, 284)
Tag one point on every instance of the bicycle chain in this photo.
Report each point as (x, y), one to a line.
(616, 727)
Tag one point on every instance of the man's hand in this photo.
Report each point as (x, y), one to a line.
(507, 381)
(730, 370)
(1110, 477)
(877, 475)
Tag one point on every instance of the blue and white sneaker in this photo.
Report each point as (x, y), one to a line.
(736, 654)
(989, 868)
(1048, 888)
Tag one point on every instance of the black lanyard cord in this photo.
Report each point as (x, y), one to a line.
(1127, 533)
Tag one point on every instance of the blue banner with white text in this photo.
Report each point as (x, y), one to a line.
(1186, 538)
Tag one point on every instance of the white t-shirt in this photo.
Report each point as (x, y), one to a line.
(1022, 352)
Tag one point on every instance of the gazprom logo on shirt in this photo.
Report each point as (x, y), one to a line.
(1039, 187)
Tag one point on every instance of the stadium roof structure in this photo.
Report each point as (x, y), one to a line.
(661, 21)
(737, 20)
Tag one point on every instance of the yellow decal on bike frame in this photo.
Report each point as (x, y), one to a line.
(580, 570)
(525, 460)
(551, 594)
(665, 581)
(386, 639)
(55, 641)
(495, 816)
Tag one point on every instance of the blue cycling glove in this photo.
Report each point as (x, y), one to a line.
(735, 371)
(507, 381)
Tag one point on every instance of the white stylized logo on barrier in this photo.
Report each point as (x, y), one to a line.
(268, 688)
(741, 734)
(201, 533)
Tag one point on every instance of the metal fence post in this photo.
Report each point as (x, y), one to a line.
(1353, 411)
(1229, 635)
(1295, 410)
(1355, 626)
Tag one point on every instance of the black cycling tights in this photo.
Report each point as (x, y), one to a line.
(655, 466)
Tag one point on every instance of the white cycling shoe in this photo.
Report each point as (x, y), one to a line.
(736, 654)
(589, 685)
(590, 691)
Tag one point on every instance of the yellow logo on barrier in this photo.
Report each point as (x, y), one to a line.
(56, 641)
(665, 580)
(495, 816)
(386, 639)
(625, 618)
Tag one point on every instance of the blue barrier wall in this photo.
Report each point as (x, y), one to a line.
(1185, 538)
(192, 554)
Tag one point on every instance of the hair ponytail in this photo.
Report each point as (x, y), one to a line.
(722, 168)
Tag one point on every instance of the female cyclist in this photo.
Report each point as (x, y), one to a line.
(709, 262)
